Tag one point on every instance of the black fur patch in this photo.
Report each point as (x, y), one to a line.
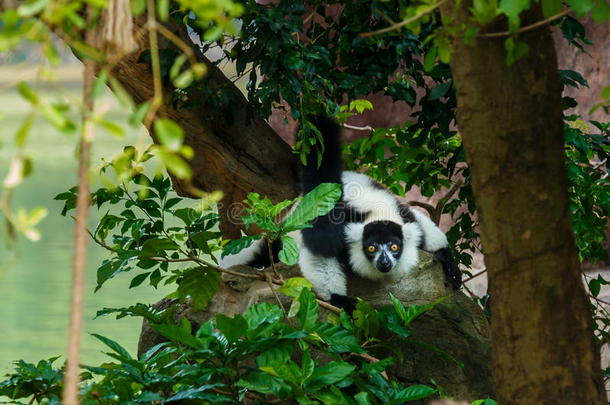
(348, 304)
(261, 258)
(452, 271)
(382, 232)
(408, 216)
(331, 166)
(406, 213)
(326, 238)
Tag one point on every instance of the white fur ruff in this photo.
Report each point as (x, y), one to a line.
(360, 193)
(324, 273)
(434, 238)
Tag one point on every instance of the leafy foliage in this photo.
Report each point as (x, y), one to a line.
(152, 236)
(259, 355)
(263, 213)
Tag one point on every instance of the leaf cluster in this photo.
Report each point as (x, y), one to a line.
(268, 216)
(153, 236)
(260, 356)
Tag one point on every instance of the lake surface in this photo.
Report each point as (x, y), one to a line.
(35, 278)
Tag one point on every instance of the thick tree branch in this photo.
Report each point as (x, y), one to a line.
(234, 152)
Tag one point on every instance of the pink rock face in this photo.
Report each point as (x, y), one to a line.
(593, 65)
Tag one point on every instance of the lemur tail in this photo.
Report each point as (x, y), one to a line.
(331, 165)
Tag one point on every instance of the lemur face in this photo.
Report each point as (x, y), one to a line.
(382, 244)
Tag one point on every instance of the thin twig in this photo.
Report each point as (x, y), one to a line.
(270, 283)
(428, 207)
(371, 360)
(328, 306)
(365, 128)
(100, 242)
(404, 22)
(526, 28)
(599, 300)
(72, 377)
(475, 276)
(186, 49)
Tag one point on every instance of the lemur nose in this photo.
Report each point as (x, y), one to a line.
(384, 264)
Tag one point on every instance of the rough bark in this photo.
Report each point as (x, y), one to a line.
(234, 152)
(510, 120)
(457, 326)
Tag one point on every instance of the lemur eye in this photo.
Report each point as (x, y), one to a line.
(371, 248)
(394, 248)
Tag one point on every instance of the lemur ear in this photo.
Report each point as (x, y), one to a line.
(411, 233)
(353, 232)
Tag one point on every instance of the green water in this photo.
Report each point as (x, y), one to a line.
(35, 278)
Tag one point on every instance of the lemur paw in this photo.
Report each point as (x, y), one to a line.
(343, 301)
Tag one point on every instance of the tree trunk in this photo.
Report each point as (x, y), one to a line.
(234, 152)
(510, 119)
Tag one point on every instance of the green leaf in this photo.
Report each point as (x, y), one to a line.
(31, 8)
(515, 50)
(265, 384)
(581, 7)
(113, 128)
(293, 286)
(410, 313)
(290, 251)
(317, 202)
(200, 284)
(362, 398)
(99, 84)
(279, 353)
(487, 401)
(572, 78)
(338, 339)
(366, 319)
(163, 9)
(328, 374)
(177, 334)
(551, 7)
(169, 134)
(513, 8)
(175, 164)
(261, 313)
(27, 93)
(157, 246)
(184, 79)
(24, 130)
(139, 279)
(360, 105)
(138, 7)
(439, 91)
(484, 10)
(413, 393)
(430, 58)
(197, 393)
(594, 287)
(124, 98)
(117, 348)
(232, 328)
(237, 245)
(139, 114)
(308, 310)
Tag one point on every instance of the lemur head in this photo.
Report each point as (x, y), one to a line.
(380, 249)
(382, 244)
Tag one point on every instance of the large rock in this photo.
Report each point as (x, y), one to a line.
(456, 326)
